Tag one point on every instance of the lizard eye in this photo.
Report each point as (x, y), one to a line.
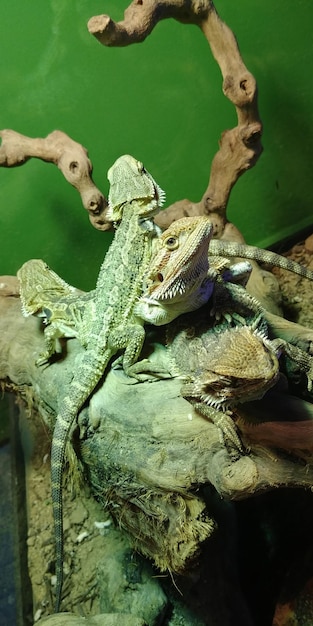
(171, 243)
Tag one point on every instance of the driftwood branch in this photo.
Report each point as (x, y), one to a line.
(147, 452)
(240, 147)
(69, 156)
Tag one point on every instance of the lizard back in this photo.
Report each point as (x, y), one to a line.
(134, 198)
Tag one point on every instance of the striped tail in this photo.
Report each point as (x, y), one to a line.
(85, 380)
(60, 436)
(219, 247)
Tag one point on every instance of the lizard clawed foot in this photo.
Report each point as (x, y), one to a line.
(43, 359)
(228, 433)
(148, 371)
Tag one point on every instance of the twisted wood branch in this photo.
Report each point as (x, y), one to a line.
(69, 156)
(241, 146)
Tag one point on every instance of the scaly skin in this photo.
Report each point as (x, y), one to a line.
(177, 280)
(134, 197)
(62, 307)
(225, 359)
(234, 249)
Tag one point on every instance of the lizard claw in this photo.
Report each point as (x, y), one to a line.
(43, 359)
(228, 433)
(148, 371)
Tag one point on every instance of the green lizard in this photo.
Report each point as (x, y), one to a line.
(66, 311)
(111, 323)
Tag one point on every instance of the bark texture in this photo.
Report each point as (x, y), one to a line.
(69, 156)
(241, 146)
(146, 451)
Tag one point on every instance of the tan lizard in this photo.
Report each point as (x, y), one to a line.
(178, 278)
(182, 275)
(172, 285)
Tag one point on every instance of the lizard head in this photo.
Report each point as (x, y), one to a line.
(177, 278)
(235, 366)
(131, 183)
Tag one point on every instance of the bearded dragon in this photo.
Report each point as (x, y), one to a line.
(109, 321)
(179, 278)
(231, 359)
(65, 310)
(176, 282)
(178, 273)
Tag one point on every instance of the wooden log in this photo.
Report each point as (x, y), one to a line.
(145, 450)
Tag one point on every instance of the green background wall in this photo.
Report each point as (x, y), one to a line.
(160, 101)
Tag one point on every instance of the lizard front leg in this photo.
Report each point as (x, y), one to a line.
(301, 359)
(227, 428)
(131, 339)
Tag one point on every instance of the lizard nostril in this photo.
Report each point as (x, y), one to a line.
(160, 277)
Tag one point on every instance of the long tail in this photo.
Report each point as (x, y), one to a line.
(230, 248)
(86, 378)
(60, 436)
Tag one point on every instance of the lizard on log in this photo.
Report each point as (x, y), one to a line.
(179, 270)
(134, 198)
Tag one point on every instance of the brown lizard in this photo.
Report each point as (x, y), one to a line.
(235, 361)
(180, 278)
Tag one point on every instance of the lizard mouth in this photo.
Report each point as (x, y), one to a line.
(227, 391)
